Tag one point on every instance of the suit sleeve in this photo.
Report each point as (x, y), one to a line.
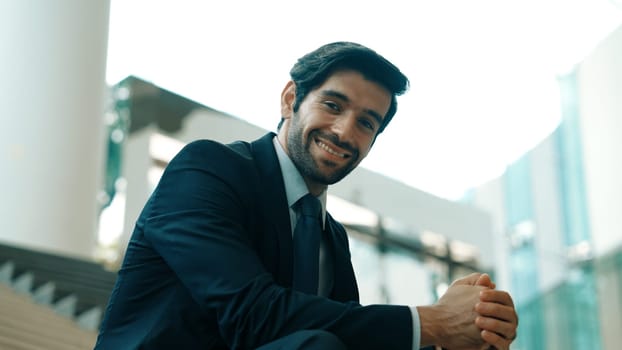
(198, 223)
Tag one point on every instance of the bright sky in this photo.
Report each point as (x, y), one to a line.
(483, 72)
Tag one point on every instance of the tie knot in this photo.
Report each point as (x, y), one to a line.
(310, 206)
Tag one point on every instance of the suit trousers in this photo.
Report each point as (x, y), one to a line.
(306, 340)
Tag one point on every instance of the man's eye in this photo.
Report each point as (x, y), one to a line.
(332, 105)
(367, 124)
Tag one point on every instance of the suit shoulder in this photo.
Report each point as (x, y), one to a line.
(207, 154)
(211, 147)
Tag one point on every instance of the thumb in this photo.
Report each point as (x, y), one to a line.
(469, 280)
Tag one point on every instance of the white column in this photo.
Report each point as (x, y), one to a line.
(52, 89)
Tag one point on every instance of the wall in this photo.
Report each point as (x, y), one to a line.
(600, 108)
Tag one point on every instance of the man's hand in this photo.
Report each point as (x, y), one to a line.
(495, 318)
(498, 318)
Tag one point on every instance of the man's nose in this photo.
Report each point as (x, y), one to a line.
(345, 127)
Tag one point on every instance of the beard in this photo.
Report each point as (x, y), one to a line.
(300, 154)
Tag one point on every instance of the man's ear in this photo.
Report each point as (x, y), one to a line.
(288, 97)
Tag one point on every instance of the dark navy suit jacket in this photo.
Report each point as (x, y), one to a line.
(209, 264)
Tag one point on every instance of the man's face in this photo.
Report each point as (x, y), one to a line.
(334, 128)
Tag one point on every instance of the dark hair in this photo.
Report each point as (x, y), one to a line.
(314, 68)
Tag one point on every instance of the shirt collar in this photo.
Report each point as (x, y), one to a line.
(295, 186)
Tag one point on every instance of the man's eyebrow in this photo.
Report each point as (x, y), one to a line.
(339, 95)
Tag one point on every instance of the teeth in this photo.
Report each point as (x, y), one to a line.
(330, 150)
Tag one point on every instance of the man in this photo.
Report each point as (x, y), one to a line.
(234, 249)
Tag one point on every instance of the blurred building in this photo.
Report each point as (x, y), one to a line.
(549, 229)
(558, 208)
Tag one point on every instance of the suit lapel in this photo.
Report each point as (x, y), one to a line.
(274, 205)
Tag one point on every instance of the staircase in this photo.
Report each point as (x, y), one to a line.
(50, 302)
(26, 325)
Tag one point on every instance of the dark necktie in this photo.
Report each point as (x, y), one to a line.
(307, 245)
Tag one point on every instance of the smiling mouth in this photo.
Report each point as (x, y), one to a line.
(330, 150)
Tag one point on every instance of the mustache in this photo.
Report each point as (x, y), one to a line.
(333, 138)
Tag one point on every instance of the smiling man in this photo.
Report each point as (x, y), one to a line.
(235, 250)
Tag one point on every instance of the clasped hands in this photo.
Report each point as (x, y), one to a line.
(471, 315)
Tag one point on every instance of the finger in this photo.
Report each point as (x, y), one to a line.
(496, 296)
(468, 280)
(501, 328)
(495, 340)
(498, 311)
(485, 281)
